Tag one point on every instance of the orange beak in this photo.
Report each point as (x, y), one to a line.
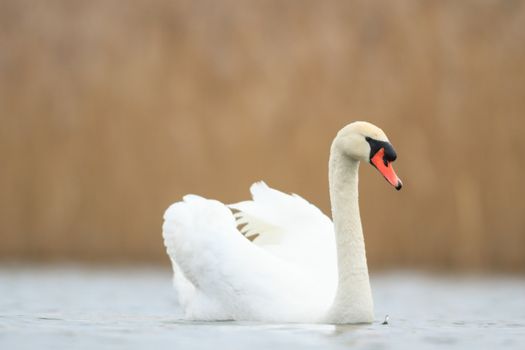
(385, 168)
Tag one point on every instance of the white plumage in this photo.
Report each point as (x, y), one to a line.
(287, 274)
(277, 258)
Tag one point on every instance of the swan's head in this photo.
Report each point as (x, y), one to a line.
(366, 142)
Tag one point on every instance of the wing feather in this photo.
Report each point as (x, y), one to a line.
(286, 225)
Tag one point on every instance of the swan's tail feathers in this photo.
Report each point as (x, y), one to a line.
(225, 269)
(188, 225)
(176, 217)
(197, 234)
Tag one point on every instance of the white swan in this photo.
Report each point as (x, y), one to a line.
(279, 258)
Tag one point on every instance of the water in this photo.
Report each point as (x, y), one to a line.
(81, 308)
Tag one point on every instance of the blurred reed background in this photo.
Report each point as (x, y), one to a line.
(110, 111)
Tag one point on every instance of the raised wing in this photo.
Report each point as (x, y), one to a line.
(288, 226)
(221, 275)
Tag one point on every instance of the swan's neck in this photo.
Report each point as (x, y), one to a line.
(353, 301)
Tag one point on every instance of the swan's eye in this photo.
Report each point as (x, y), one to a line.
(375, 146)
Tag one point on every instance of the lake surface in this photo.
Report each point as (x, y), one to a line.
(123, 308)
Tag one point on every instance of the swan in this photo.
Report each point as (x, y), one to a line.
(278, 258)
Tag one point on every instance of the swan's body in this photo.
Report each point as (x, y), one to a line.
(300, 267)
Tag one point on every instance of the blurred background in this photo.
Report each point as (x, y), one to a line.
(110, 111)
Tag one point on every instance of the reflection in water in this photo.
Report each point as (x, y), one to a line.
(138, 309)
